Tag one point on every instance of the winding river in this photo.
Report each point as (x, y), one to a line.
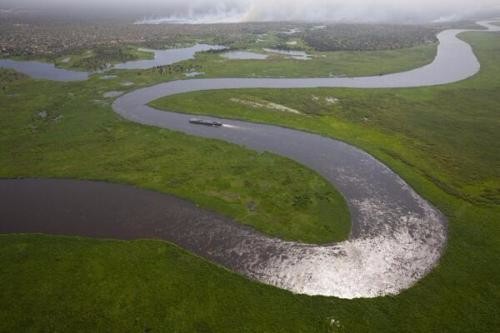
(396, 239)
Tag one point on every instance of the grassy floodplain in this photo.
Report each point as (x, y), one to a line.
(73, 284)
(52, 130)
(442, 140)
(322, 64)
(91, 59)
(434, 130)
(212, 64)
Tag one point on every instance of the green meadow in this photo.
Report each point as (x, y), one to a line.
(444, 141)
(448, 133)
(213, 64)
(321, 64)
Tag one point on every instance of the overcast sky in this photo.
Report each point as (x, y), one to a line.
(268, 10)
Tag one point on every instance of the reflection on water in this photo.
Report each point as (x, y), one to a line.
(244, 55)
(42, 70)
(297, 55)
(168, 57)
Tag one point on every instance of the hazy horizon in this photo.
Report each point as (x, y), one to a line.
(219, 11)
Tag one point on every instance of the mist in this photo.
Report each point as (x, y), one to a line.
(219, 11)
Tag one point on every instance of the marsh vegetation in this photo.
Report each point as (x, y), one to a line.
(441, 140)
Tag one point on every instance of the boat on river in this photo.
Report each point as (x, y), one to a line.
(198, 121)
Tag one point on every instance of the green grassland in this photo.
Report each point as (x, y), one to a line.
(433, 130)
(67, 131)
(138, 286)
(323, 64)
(348, 63)
(442, 140)
(212, 64)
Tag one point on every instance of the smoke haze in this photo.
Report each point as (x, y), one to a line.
(215, 11)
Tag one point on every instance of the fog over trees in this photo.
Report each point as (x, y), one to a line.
(212, 11)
